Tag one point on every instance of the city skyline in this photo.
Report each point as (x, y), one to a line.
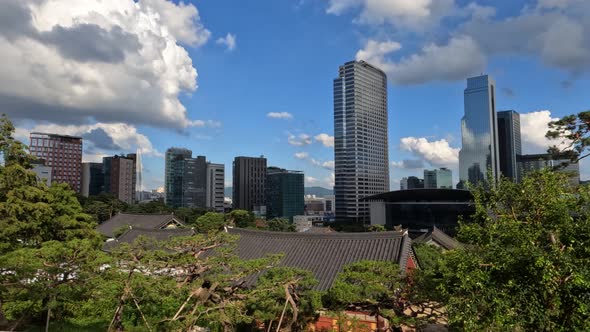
(260, 111)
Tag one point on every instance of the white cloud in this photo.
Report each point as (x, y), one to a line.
(100, 139)
(436, 153)
(328, 164)
(118, 61)
(310, 181)
(533, 127)
(229, 41)
(279, 115)
(299, 140)
(408, 164)
(458, 59)
(410, 14)
(301, 155)
(325, 139)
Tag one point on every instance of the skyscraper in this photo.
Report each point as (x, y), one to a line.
(63, 154)
(509, 144)
(119, 174)
(249, 178)
(92, 179)
(441, 178)
(284, 193)
(479, 152)
(194, 182)
(360, 139)
(215, 186)
(174, 170)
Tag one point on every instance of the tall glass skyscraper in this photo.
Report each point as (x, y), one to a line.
(509, 143)
(479, 152)
(360, 139)
(174, 173)
(284, 193)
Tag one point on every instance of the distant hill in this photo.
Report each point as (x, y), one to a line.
(318, 191)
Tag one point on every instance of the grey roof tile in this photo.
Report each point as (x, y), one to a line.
(145, 221)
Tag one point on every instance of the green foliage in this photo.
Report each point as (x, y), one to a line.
(574, 133)
(242, 218)
(189, 215)
(280, 225)
(365, 283)
(210, 222)
(526, 265)
(377, 228)
(150, 207)
(102, 206)
(429, 256)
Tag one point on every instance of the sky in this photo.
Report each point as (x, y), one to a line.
(249, 78)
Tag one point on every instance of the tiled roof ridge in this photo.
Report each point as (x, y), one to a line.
(158, 230)
(332, 235)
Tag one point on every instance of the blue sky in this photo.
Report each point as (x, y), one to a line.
(281, 57)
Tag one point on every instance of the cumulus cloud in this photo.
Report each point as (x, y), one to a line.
(555, 31)
(301, 155)
(229, 41)
(299, 140)
(100, 139)
(533, 127)
(436, 153)
(328, 164)
(409, 14)
(109, 61)
(457, 59)
(310, 181)
(279, 115)
(325, 139)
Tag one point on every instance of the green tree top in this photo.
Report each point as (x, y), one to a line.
(574, 133)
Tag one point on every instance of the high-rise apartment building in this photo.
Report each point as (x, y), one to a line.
(43, 172)
(509, 143)
(215, 186)
(441, 178)
(284, 193)
(119, 173)
(174, 171)
(62, 153)
(479, 152)
(92, 179)
(249, 178)
(360, 139)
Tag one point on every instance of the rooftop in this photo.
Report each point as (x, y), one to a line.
(324, 254)
(137, 220)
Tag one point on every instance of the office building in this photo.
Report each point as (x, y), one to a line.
(62, 153)
(479, 152)
(92, 179)
(535, 162)
(215, 186)
(43, 172)
(174, 170)
(360, 139)
(441, 178)
(119, 173)
(185, 179)
(284, 193)
(509, 144)
(249, 178)
(194, 182)
(411, 182)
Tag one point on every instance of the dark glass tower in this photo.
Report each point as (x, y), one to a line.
(479, 152)
(174, 173)
(360, 139)
(509, 144)
(284, 193)
(249, 177)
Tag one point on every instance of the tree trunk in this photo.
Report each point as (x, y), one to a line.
(48, 315)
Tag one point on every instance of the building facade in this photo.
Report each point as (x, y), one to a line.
(411, 182)
(194, 182)
(43, 172)
(284, 193)
(249, 179)
(215, 186)
(360, 139)
(63, 154)
(174, 171)
(441, 178)
(535, 162)
(119, 173)
(479, 152)
(92, 179)
(509, 143)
